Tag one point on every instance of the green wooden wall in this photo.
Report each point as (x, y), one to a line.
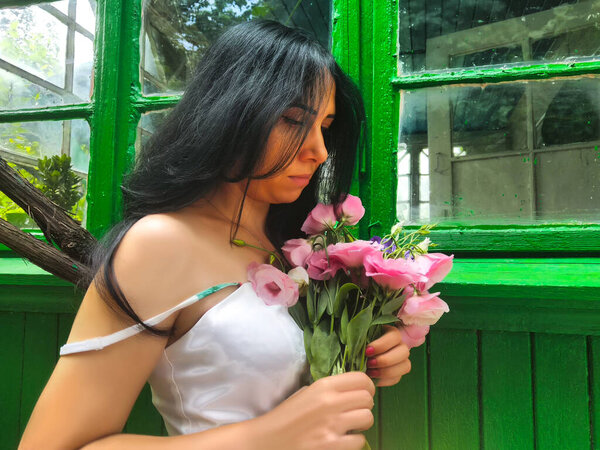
(512, 366)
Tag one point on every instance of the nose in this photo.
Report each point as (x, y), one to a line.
(314, 148)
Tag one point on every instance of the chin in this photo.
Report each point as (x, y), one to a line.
(289, 198)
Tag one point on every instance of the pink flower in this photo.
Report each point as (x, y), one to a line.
(272, 285)
(321, 269)
(414, 335)
(297, 251)
(422, 309)
(350, 210)
(392, 273)
(319, 219)
(352, 254)
(435, 267)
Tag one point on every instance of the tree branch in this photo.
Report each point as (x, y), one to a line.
(55, 223)
(44, 255)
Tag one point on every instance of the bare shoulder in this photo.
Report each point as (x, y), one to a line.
(153, 262)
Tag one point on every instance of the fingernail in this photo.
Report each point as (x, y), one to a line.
(373, 373)
(369, 351)
(371, 362)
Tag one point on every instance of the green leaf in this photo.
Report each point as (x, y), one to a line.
(322, 302)
(357, 331)
(298, 313)
(307, 338)
(324, 349)
(310, 302)
(341, 296)
(385, 319)
(330, 289)
(344, 326)
(393, 305)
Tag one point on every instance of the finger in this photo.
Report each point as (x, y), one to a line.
(390, 375)
(353, 400)
(359, 420)
(351, 442)
(349, 381)
(392, 357)
(391, 338)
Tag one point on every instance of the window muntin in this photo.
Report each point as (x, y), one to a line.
(476, 33)
(173, 38)
(46, 55)
(524, 152)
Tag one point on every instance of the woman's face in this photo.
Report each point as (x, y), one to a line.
(286, 185)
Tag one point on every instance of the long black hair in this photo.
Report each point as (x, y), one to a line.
(218, 132)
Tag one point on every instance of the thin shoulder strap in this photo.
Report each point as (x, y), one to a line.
(98, 343)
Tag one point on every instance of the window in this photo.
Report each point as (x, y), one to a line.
(499, 124)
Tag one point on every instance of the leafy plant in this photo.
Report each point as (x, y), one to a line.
(58, 182)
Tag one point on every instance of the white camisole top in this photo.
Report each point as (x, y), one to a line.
(240, 360)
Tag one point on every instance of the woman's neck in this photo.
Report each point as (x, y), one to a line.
(227, 200)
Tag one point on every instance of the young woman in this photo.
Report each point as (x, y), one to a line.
(268, 125)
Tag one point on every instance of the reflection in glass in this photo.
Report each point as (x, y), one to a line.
(176, 34)
(149, 123)
(475, 33)
(511, 152)
(25, 144)
(46, 56)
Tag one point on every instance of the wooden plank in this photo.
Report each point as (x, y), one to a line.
(12, 328)
(144, 418)
(569, 316)
(561, 392)
(65, 322)
(453, 388)
(506, 395)
(47, 299)
(39, 358)
(373, 433)
(594, 388)
(403, 419)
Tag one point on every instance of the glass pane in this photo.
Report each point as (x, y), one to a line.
(37, 67)
(471, 33)
(507, 153)
(149, 123)
(176, 34)
(25, 144)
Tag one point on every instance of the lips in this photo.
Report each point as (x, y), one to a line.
(301, 180)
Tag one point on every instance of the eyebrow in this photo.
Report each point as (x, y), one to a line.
(309, 110)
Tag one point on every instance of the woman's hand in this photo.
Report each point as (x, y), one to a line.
(388, 358)
(320, 416)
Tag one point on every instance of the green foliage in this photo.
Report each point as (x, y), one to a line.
(58, 182)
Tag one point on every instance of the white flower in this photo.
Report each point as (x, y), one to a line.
(300, 276)
(396, 229)
(424, 246)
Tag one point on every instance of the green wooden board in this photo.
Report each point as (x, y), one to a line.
(373, 433)
(594, 385)
(144, 418)
(12, 328)
(568, 316)
(561, 392)
(46, 299)
(404, 407)
(39, 358)
(65, 322)
(453, 384)
(506, 396)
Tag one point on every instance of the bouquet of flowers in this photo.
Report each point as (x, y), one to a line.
(350, 288)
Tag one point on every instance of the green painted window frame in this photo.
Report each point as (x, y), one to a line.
(365, 32)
